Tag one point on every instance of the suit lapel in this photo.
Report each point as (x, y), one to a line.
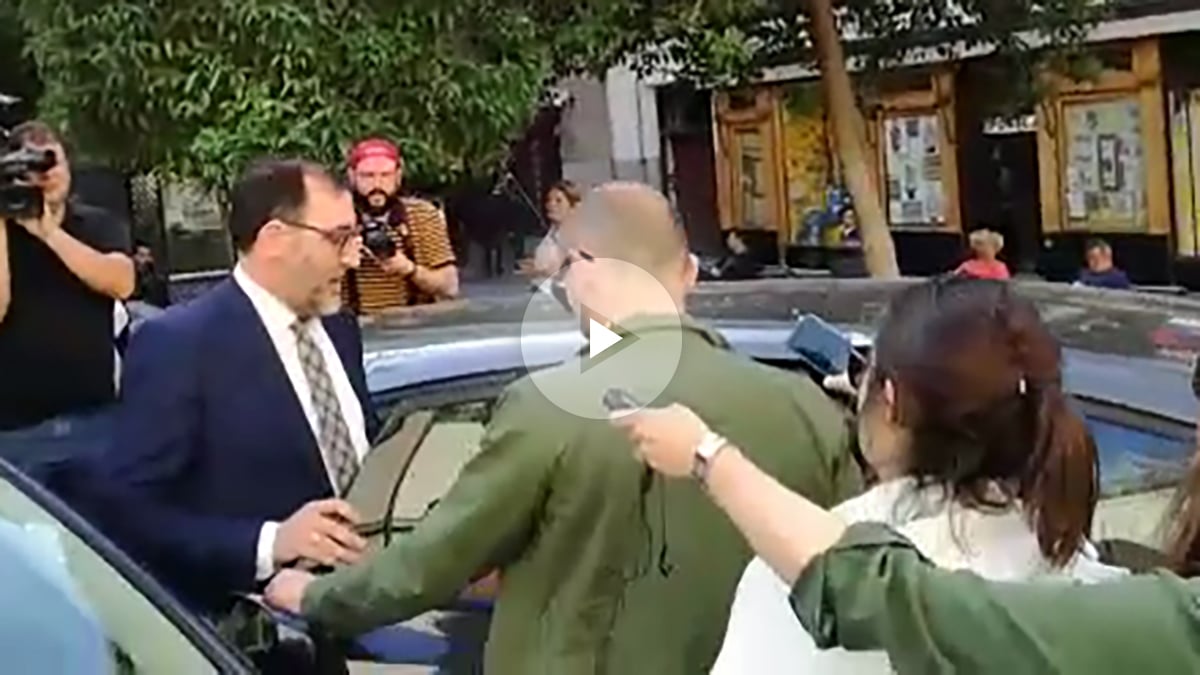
(255, 353)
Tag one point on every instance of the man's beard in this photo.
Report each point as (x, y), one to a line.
(363, 202)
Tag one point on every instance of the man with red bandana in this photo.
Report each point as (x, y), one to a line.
(418, 267)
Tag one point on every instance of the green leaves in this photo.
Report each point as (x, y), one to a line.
(198, 89)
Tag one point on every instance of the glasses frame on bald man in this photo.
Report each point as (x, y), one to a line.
(339, 236)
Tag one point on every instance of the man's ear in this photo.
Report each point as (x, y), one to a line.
(889, 401)
(691, 271)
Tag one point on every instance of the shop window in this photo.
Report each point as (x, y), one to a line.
(754, 173)
(913, 164)
(196, 237)
(1105, 187)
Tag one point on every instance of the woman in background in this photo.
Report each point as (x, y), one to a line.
(985, 246)
(561, 199)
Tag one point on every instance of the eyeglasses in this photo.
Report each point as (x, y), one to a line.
(339, 236)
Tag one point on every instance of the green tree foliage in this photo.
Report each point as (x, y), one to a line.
(728, 42)
(196, 88)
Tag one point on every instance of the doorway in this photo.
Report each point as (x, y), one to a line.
(1003, 192)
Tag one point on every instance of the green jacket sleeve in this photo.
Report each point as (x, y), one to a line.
(874, 591)
(486, 516)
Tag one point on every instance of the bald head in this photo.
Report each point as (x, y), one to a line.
(631, 222)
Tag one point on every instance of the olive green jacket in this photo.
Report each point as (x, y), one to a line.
(873, 590)
(596, 578)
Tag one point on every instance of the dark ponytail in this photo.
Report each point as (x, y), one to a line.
(1060, 485)
(1183, 533)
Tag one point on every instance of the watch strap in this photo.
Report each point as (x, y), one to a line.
(708, 447)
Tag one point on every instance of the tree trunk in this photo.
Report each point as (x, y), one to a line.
(850, 141)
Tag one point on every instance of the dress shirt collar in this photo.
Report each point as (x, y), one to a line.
(274, 313)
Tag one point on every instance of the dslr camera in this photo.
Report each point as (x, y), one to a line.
(377, 238)
(20, 198)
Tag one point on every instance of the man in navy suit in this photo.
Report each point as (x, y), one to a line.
(244, 413)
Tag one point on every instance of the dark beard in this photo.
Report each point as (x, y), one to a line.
(363, 204)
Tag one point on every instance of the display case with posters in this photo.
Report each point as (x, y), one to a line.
(913, 165)
(196, 236)
(1102, 148)
(1105, 172)
(917, 163)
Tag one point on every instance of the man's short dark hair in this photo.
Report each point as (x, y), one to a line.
(270, 189)
(1096, 244)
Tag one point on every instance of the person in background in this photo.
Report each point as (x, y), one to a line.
(981, 465)
(589, 583)
(548, 259)
(1100, 271)
(985, 246)
(151, 286)
(60, 274)
(420, 268)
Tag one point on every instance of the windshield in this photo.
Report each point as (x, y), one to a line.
(66, 610)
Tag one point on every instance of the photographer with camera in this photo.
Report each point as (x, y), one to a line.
(62, 266)
(407, 257)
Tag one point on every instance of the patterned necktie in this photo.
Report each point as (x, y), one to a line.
(334, 439)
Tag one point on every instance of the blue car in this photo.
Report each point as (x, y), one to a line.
(434, 381)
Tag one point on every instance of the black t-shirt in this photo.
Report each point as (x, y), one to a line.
(56, 342)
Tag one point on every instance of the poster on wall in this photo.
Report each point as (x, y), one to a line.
(1105, 186)
(914, 170)
(197, 239)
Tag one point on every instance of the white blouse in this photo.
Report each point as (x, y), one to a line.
(764, 636)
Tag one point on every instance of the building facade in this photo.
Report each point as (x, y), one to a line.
(1115, 156)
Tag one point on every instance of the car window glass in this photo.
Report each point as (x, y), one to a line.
(57, 580)
(447, 440)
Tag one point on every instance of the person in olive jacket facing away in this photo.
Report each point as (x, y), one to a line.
(602, 572)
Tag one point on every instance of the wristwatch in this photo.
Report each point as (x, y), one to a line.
(708, 447)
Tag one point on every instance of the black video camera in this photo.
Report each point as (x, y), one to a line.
(19, 196)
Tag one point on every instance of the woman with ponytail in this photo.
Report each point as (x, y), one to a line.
(981, 462)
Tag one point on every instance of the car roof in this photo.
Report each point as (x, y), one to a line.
(421, 356)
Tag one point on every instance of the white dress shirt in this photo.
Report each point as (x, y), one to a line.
(764, 636)
(277, 318)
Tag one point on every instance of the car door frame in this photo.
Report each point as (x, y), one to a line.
(224, 657)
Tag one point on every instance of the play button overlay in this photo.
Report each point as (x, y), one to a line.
(605, 338)
(622, 332)
(600, 338)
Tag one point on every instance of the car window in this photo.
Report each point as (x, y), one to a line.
(451, 442)
(432, 436)
(73, 605)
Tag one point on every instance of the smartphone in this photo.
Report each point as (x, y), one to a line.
(825, 348)
(616, 399)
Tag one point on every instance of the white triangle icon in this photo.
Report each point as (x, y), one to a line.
(600, 338)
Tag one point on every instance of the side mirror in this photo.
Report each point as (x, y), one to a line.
(278, 644)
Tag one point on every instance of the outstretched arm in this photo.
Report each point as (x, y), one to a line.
(484, 520)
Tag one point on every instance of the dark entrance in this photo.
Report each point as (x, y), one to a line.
(998, 165)
(1006, 195)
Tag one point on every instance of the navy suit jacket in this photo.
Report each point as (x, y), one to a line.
(210, 442)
